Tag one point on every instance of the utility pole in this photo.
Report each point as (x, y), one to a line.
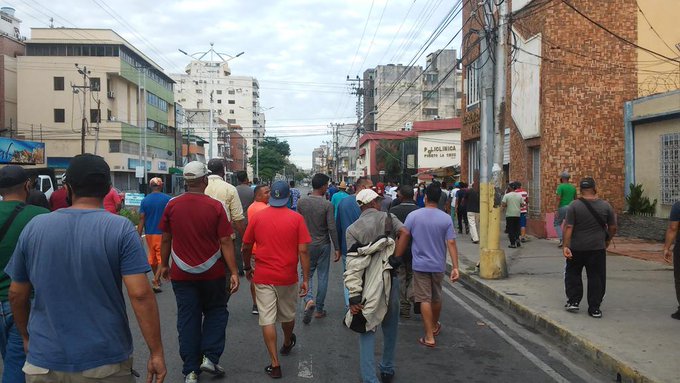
(85, 88)
(99, 118)
(359, 91)
(492, 258)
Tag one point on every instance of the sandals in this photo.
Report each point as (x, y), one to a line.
(437, 329)
(285, 350)
(426, 344)
(273, 372)
(309, 310)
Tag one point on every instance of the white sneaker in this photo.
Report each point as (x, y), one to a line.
(211, 368)
(191, 378)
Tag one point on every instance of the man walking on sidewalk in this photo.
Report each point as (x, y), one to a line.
(319, 217)
(590, 226)
(405, 272)
(461, 208)
(432, 235)
(150, 213)
(282, 240)
(673, 237)
(473, 211)
(197, 234)
(566, 193)
(373, 296)
(512, 202)
(75, 262)
(226, 193)
(15, 214)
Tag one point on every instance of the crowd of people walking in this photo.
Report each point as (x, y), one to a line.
(60, 287)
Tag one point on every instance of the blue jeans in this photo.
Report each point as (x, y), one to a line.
(367, 340)
(319, 261)
(11, 345)
(202, 318)
(560, 216)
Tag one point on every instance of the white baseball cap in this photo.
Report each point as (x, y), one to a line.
(366, 196)
(195, 169)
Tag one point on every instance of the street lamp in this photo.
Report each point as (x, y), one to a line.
(258, 111)
(200, 57)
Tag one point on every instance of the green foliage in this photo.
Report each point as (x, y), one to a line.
(638, 204)
(388, 158)
(271, 162)
(132, 215)
(274, 144)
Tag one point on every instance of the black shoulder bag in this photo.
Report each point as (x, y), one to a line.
(597, 217)
(5, 227)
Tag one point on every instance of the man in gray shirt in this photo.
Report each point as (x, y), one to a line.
(247, 195)
(590, 226)
(319, 217)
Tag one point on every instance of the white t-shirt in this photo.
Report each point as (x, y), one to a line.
(452, 195)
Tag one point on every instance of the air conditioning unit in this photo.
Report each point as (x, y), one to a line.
(110, 94)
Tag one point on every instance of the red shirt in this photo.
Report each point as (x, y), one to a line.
(277, 232)
(111, 200)
(58, 199)
(196, 222)
(253, 209)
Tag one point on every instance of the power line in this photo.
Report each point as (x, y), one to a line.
(618, 37)
(361, 40)
(652, 27)
(370, 45)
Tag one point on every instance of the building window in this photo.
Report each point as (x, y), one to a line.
(94, 115)
(232, 102)
(473, 160)
(430, 112)
(432, 78)
(670, 168)
(231, 111)
(95, 84)
(231, 121)
(535, 183)
(219, 91)
(231, 91)
(219, 101)
(59, 115)
(472, 83)
(430, 95)
(58, 83)
(199, 91)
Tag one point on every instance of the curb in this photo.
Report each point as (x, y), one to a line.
(547, 326)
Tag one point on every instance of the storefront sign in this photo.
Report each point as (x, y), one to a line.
(162, 166)
(133, 199)
(438, 149)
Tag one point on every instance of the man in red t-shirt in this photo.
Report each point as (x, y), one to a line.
(113, 202)
(197, 234)
(282, 239)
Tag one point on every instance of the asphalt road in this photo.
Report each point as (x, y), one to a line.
(477, 344)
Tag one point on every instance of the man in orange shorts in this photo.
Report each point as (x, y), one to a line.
(151, 211)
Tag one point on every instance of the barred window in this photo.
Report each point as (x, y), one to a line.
(670, 168)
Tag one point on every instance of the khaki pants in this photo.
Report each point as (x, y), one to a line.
(110, 373)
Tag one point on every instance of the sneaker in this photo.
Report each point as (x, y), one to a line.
(518, 244)
(254, 311)
(156, 289)
(676, 315)
(386, 378)
(273, 372)
(559, 244)
(595, 313)
(512, 246)
(571, 307)
(192, 377)
(211, 368)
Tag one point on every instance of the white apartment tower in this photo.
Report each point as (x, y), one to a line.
(234, 100)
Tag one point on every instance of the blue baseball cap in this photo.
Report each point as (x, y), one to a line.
(280, 192)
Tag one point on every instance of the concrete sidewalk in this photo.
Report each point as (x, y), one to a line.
(636, 336)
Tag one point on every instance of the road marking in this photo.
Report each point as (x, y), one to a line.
(305, 368)
(522, 350)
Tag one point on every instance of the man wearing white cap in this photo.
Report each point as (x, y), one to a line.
(197, 234)
(370, 242)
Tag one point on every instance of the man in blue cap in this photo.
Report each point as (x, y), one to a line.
(282, 240)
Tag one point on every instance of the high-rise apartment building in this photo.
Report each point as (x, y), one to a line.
(93, 78)
(11, 46)
(235, 103)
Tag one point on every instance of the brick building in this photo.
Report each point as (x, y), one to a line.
(567, 81)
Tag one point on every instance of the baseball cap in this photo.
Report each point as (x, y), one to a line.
(565, 174)
(156, 181)
(587, 183)
(343, 185)
(366, 196)
(280, 192)
(88, 168)
(194, 170)
(12, 175)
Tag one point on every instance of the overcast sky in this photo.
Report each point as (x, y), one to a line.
(300, 50)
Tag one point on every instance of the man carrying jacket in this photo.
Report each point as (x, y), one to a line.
(368, 283)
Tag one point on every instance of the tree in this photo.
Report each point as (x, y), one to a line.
(388, 158)
(273, 158)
